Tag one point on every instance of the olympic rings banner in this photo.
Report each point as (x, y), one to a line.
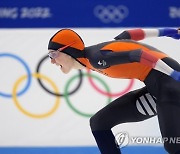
(40, 106)
(116, 13)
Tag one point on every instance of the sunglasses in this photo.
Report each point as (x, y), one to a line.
(55, 54)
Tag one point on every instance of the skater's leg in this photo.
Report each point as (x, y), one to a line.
(135, 106)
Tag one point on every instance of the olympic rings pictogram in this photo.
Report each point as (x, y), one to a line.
(24, 111)
(131, 83)
(111, 13)
(68, 100)
(27, 70)
(56, 93)
(47, 90)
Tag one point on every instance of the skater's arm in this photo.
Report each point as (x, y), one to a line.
(140, 34)
(109, 58)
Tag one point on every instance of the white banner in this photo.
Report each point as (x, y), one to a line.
(35, 117)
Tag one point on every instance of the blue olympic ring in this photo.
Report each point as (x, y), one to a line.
(27, 70)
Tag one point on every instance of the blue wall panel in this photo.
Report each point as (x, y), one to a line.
(94, 13)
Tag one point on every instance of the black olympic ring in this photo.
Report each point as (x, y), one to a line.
(57, 94)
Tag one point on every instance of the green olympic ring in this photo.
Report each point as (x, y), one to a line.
(66, 96)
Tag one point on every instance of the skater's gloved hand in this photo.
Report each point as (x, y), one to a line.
(175, 36)
(176, 75)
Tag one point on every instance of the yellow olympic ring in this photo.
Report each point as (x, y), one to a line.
(33, 115)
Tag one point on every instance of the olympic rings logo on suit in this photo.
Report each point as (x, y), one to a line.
(39, 76)
(110, 13)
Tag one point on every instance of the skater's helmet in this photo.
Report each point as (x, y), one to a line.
(67, 41)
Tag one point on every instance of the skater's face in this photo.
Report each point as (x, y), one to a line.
(62, 60)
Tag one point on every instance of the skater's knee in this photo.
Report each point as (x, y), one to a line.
(98, 122)
(95, 122)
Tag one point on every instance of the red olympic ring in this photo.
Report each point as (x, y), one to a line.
(127, 89)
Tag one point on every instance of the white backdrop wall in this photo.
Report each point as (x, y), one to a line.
(63, 127)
